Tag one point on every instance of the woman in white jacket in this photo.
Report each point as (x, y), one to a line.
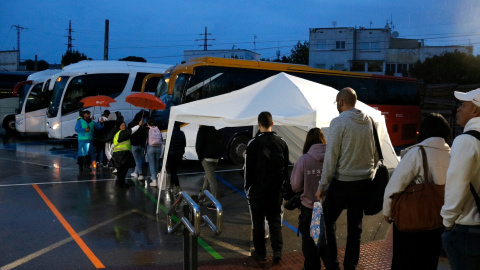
(419, 250)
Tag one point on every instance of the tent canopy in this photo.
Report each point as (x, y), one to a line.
(292, 101)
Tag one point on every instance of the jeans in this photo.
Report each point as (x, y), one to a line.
(462, 245)
(351, 196)
(137, 152)
(154, 156)
(210, 180)
(269, 208)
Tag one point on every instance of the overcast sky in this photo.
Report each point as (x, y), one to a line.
(160, 30)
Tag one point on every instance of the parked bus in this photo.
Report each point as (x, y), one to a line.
(9, 100)
(116, 79)
(33, 102)
(396, 97)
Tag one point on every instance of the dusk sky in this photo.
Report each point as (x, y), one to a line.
(160, 31)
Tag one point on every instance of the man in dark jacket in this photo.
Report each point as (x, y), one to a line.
(266, 170)
(175, 156)
(210, 147)
(138, 142)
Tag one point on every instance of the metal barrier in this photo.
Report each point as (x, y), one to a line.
(191, 226)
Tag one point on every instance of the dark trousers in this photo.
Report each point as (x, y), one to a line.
(261, 208)
(416, 250)
(121, 175)
(351, 196)
(173, 163)
(311, 252)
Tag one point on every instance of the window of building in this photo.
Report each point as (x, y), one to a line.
(401, 68)
(321, 66)
(340, 45)
(375, 67)
(339, 67)
(321, 44)
(390, 69)
(358, 66)
(369, 46)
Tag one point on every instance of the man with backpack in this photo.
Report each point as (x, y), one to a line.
(210, 148)
(266, 170)
(460, 212)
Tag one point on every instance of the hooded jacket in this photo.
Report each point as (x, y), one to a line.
(350, 153)
(307, 172)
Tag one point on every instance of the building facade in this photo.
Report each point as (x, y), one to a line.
(376, 51)
(234, 54)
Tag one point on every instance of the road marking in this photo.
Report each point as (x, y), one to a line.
(63, 242)
(59, 182)
(70, 230)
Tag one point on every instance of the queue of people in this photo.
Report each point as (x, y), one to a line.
(337, 172)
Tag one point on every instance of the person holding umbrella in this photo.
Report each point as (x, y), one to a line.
(85, 128)
(122, 157)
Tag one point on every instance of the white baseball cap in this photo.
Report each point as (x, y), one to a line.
(473, 96)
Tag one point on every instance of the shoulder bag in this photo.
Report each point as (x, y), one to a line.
(417, 208)
(374, 203)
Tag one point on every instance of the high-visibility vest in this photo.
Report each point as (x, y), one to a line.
(86, 135)
(121, 146)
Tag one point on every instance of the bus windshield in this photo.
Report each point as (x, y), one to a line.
(22, 94)
(57, 96)
(162, 86)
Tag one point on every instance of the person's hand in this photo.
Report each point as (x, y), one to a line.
(388, 219)
(101, 120)
(140, 123)
(319, 195)
(87, 129)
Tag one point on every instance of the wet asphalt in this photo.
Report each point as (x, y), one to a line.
(53, 217)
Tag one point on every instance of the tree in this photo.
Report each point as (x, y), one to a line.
(41, 65)
(449, 67)
(133, 59)
(71, 57)
(299, 53)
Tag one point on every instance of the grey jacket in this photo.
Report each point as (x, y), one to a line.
(351, 153)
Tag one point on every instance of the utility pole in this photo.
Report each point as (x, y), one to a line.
(19, 29)
(254, 43)
(105, 46)
(205, 39)
(69, 45)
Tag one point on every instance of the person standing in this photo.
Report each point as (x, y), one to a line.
(175, 156)
(139, 142)
(85, 128)
(266, 170)
(99, 140)
(210, 148)
(419, 250)
(348, 169)
(461, 216)
(304, 178)
(155, 149)
(122, 157)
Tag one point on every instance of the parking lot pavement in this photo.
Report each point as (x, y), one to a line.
(53, 217)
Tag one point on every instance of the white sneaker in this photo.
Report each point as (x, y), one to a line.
(134, 175)
(153, 183)
(114, 171)
(140, 177)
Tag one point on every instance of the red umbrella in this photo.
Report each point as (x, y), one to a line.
(147, 101)
(102, 101)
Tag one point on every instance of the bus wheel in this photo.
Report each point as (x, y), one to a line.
(9, 124)
(237, 148)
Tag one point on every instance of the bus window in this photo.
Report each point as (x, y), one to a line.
(37, 99)
(162, 87)
(149, 87)
(179, 87)
(57, 96)
(110, 85)
(21, 97)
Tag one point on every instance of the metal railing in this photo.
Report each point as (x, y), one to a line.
(191, 225)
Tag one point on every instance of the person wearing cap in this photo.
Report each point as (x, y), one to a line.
(85, 128)
(461, 216)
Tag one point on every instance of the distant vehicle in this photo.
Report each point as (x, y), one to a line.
(396, 97)
(9, 100)
(116, 79)
(31, 114)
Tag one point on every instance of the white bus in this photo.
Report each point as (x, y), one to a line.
(31, 115)
(116, 79)
(9, 99)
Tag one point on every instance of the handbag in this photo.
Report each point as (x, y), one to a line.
(374, 203)
(294, 202)
(417, 208)
(317, 225)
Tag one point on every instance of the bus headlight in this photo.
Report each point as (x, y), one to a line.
(55, 126)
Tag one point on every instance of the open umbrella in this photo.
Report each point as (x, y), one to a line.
(146, 101)
(100, 100)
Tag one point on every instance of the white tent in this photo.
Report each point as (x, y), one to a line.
(296, 103)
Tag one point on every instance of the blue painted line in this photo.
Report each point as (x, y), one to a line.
(288, 225)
